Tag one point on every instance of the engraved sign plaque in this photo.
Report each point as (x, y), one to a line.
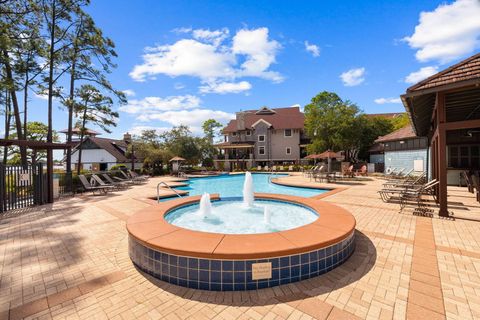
(261, 271)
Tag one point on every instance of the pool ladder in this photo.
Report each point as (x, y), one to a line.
(165, 184)
(271, 175)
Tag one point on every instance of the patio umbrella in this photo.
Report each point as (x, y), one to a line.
(313, 157)
(329, 154)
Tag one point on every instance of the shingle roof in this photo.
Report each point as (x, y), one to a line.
(468, 69)
(390, 115)
(112, 146)
(401, 134)
(283, 118)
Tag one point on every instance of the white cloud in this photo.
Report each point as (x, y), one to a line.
(137, 130)
(250, 54)
(186, 57)
(353, 77)
(129, 93)
(312, 48)
(178, 85)
(191, 118)
(387, 100)
(156, 104)
(448, 32)
(421, 74)
(225, 87)
(214, 37)
(260, 53)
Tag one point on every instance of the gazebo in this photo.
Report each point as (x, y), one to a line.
(175, 161)
(445, 108)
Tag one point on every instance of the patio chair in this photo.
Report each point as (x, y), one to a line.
(416, 195)
(363, 171)
(135, 175)
(259, 168)
(320, 174)
(468, 181)
(129, 178)
(89, 187)
(281, 168)
(265, 168)
(388, 193)
(274, 168)
(119, 184)
(476, 185)
(411, 180)
(348, 172)
(290, 168)
(102, 183)
(389, 172)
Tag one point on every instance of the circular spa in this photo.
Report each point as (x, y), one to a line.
(258, 241)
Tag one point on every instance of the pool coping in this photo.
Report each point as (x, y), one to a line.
(149, 227)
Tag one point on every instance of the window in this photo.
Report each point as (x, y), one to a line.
(289, 150)
(234, 134)
(249, 133)
(261, 138)
(288, 132)
(261, 150)
(464, 156)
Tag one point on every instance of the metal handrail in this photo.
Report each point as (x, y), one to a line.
(165, 184)
(271, 174)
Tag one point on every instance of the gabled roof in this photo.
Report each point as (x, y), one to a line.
(78, 131)
(112, 146)
(468, 69)
(280, 118)
(400, 134)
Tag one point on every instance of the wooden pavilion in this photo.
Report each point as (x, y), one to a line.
(445, 108)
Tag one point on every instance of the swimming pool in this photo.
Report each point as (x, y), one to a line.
(232, 186)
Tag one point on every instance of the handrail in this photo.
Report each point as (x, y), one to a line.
(164, 183)
(271, 174)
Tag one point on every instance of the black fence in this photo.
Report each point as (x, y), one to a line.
(22, 187)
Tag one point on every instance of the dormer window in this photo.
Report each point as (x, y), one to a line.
(265, 110)
(248, 133)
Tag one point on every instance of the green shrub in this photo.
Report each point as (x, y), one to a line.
(118, 167)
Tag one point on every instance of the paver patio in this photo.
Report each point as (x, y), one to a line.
(70, 260)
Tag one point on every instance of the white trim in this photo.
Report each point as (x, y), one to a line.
(264, 138)
(291, 133)
(260, 147)
(261, 120)
(286, 150)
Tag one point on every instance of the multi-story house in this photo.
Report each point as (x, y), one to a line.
(263, 137)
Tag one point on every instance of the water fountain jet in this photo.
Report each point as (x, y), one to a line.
(205, 205)
(266, 215)
(248, 190)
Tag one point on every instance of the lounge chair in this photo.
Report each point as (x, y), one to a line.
(135, 175)
(416, 195)
(102, 183)
(290, 168)
(281, 168)
(119, 184)
(388, 193)
(320, 174)
(407, 182)
(265, 168)
(133, 180)
(259, 168)
(89, 187)
(468, 181)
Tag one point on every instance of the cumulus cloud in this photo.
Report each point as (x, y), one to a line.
(205, 55)
(421, 74)
(225, 87)
(353, 77)
(129, 92)
(137, 130)
(448, 32)
(387, 100)
(312, 48)
(149, 105)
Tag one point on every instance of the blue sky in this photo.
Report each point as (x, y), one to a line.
(187, 61)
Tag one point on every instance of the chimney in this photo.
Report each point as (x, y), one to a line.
(240, 120)
(127, 137)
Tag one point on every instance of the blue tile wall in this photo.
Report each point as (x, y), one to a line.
(228, 275)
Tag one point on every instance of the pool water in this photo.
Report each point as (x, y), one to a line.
(234, 217)
(232, 186)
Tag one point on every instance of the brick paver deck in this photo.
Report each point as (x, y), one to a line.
(70, 260)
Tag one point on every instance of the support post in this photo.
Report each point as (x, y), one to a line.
(442, 155)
